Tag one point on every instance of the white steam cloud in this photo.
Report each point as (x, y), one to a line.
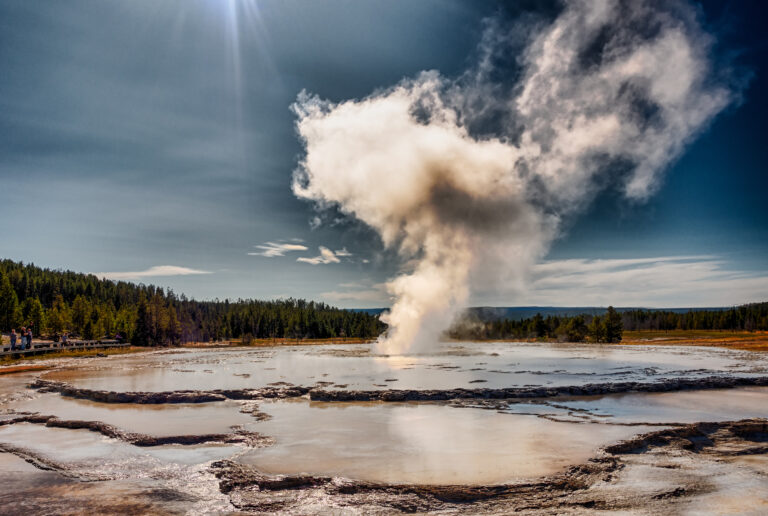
(461, 173)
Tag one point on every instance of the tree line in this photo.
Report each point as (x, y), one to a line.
(749, 317)
(609, 327)
(606, 328)
(55, 301)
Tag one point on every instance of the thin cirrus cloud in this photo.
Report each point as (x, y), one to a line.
(326, 256)
(343, 253)
(668, 281)
(655, 282)
(273, 249)
(152, 272)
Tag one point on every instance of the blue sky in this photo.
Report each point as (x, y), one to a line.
(142, 134)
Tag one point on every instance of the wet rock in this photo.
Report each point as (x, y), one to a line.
(665, 385)
(252, 439)
(395, 395)
(37, 460)
(729, 438)
(169, 495)
(674, 493)
(182, 396)
(251, 490)
(253, 409)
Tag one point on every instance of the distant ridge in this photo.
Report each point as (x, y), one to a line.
(518, 313)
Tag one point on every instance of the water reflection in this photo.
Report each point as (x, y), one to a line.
(422, 443)
(359, 367)
(667, 407)
(387, 442)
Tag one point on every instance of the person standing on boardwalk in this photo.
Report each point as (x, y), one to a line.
(29, 337)
(13, 339)
(23, 336)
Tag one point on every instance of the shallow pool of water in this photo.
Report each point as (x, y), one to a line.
(473, 442)
(667, 407)
(422, 443)
(451, 365)
(155, 420)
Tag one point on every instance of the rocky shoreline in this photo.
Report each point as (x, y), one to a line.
(180, 396)
(666, 385)
(398, 395)
(252, 439)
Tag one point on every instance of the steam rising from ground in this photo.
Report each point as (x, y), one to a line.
(462, 173)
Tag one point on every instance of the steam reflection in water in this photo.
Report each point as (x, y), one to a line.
(422, 443)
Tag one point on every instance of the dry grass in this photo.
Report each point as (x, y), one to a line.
(750, 341)
(23, 368)
(268, 343)
(257, 343)
(6, 360)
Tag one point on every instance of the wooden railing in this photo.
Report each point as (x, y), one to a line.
(51, 347)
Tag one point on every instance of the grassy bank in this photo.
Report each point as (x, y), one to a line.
(9, 360)
(268, 343)
(256, 343)
(750, 341)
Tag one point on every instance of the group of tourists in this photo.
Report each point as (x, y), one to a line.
(26, 338)
(22, 340)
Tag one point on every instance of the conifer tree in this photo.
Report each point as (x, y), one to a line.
(614, 328)
(576, 329)
(141, 334)
(33, 314)
(10, 312)
(58, 320)
(80, 314)
(596, 330)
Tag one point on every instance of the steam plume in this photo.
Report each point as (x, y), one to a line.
(457, 173)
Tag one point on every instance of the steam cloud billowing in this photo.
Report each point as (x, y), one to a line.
(464, 174)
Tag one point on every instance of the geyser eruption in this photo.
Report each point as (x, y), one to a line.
(458, 172)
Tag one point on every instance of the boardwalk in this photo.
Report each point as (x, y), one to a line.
(51, 347)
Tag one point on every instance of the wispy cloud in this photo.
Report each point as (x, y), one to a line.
(343, 253)
(326, 256)
(273, 249)
(661, 281)
(156, 271)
